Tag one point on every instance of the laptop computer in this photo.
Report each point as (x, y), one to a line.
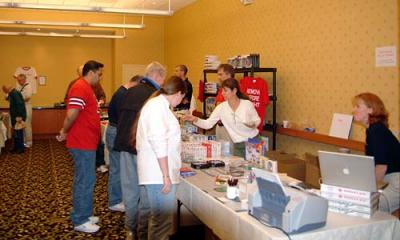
(348, 170)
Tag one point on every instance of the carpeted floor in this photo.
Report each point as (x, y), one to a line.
(35, 196)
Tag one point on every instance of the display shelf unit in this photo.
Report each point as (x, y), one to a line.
(250, 72)
(320, 138)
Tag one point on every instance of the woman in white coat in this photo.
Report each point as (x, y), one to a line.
(158, 139)
(237, 113)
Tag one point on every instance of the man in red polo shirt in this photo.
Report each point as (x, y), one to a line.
(82, 131)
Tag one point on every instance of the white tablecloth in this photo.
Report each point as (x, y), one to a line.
(3, 134)
(198, 195)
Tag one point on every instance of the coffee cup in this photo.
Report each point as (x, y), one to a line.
(232, 192)
(285, 123)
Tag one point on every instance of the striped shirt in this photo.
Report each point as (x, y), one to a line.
(85, 131)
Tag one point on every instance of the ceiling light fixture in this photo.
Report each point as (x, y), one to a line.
(88, 8)
(74, 24)
(53, 34)
(9, 33)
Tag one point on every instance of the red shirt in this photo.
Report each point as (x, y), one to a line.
(84, 133)
(220, 98)
(257, 90)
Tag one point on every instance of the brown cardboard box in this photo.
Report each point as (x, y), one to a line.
(313, 172)
(288, 163)
(294, 168)
(280, 155)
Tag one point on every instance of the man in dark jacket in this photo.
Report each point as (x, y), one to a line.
(131, 192)
(181, 71)
(115, 202)
(18, 116)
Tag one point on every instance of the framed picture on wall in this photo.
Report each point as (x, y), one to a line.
(42, 80)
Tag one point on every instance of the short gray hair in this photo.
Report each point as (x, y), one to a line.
(155, 67)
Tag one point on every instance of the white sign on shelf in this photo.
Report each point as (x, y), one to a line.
(385, 56)
(341, 125)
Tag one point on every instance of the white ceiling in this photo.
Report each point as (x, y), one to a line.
(147, 4)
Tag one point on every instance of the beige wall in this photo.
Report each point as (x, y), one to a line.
(324, 52)
(55, 58)
(140, 46)
(58, 58)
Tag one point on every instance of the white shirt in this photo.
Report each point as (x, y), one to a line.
(234, 122)
(26, 91)
(30, 73)
(158, 135)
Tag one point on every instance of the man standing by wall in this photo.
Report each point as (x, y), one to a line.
(25, 88)
(82, 131)
(131, 192)
(18, 115)
(181, 72)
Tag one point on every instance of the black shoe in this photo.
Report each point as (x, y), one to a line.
(15, 151)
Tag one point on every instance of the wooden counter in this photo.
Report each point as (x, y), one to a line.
(321, 138)
(47, 122)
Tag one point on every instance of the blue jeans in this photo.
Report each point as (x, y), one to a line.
(114, 177)
(83, 186)
(136, 208)
(162, 207)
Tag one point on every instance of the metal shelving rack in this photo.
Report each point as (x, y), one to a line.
(246, 72)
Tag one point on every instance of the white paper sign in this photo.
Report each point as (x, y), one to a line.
(385, 56)
(341, 125)
(42, 80)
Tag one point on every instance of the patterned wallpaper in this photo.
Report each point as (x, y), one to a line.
(324, 51)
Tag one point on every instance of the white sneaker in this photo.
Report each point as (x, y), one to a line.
(102, 169)
(87, 227)
(120, 207)
(94, 219)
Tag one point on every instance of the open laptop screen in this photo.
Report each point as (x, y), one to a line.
(348, 170)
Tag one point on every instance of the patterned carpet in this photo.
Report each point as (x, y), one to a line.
(35, 196)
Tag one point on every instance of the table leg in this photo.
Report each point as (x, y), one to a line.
(178, 217)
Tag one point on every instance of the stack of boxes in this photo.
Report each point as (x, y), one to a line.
(349, 201)
(211, 62)
(210, 87)
(213, 148)
(199, 148)
(193, 151)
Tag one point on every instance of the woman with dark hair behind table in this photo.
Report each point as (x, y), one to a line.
(382, 145)
(237, 113)
(158, 139)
